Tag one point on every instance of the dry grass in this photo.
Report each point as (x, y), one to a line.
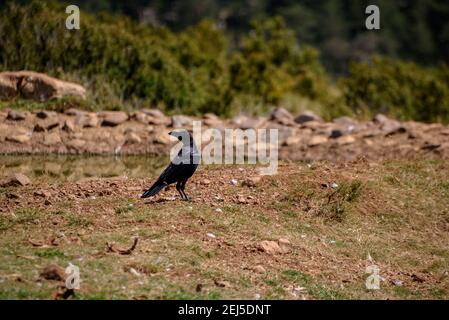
(395, 212)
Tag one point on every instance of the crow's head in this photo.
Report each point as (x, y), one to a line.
(181, 135)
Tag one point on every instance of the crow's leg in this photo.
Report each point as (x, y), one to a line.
(178, 187)
(183, 186)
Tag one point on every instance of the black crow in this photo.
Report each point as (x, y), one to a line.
(180, 169)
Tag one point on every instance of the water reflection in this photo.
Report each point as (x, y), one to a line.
(75, 168)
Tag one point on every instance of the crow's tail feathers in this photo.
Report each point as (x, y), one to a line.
(155, 188)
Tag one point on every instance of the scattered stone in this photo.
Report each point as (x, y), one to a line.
(345, 140)
(222, 283)
(244, 122)
(270, 247)
(336, 133)
(308, 116)
(162, 137)
(211, 120)
(76, 144)
(112, 247)
(140, 117)
(241, 199)
(53, 272)
(69, 125)
(16, 115)
(133, 138)
(52, 139)
(181, 121)
(293, 140)
(43, 194)
(52, 124)
(74, 112)
(211, 235)
(317, 140)
(19, 138)
(87, 120)
(12, 196)
(218, 210)
(334, 185)
(387, 125)
(39, 128)
(155, 113)
(233, 182)
(282, 116)
(206, 182)
(39, 86)
(259, 269)
(397, 282)
(252, 181)
(46, 114)
(112, 118)
(17, 179)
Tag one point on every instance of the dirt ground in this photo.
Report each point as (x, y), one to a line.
(309, 232)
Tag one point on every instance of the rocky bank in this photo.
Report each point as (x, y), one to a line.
(302, 137)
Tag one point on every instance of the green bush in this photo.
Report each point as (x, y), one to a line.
(123, 63)
(401, 89)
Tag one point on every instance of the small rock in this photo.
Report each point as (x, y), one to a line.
(397, 282)
(162, 137)
(76, 144)
(112, 118)
(387, 125)
(69, 125)
(345, 140)
(317, 140)
(16, 179)
(16, 115)
(153, 113)
(52, 139)
(133, 138)
(53, 272)
(180, 121)
(218, 210)
(293, 140)
(308, 116)
(12, 196)
(252, 181)
(39, 128)
(270, 247)
(43, 194)
(74, 112)
(284, 245)
(334, 185)
(87, 120)
(52, 124)
(206, 182)
(222, 284)
(19, 138)
(45, 114)
(244, 122)
(241, 199)
(259, 269)
(211, 235)
(282, 116)
(336, 133)
(233, 182)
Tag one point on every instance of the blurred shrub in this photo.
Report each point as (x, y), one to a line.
(123, 63)
(401, 89)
